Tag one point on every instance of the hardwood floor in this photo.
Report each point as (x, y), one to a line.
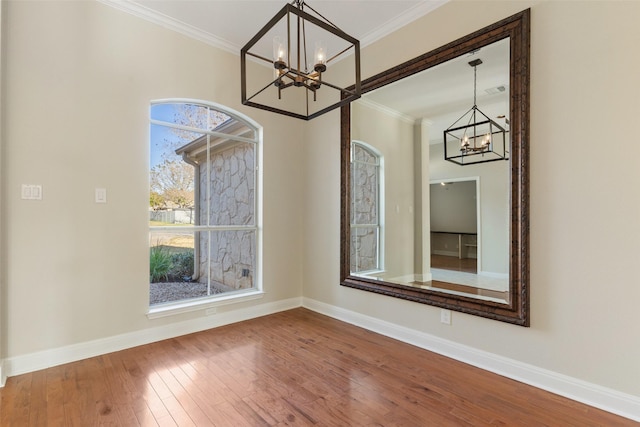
(292, 368)
(468, 265)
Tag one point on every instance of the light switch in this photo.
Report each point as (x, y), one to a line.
(101, 195)
(31, 192)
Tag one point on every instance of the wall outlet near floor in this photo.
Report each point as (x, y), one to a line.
(210, 311)
(445, 316)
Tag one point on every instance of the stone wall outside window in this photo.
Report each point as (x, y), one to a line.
(364, 209)
(232, 253)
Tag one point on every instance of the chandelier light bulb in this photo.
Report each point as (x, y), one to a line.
(279, 53)
(320, 64)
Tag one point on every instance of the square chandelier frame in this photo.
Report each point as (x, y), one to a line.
(481, 140)
(346, 95)
(454, 135)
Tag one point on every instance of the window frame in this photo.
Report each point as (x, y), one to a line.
(256, 291)
(379, 226)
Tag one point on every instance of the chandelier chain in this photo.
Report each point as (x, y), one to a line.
(475, 73)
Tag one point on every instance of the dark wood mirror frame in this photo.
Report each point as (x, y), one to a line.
(516, 311)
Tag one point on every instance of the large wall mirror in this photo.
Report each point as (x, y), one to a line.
(435, 210)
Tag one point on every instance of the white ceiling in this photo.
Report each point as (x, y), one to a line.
(440, 95)
(444, 93)
(230, 24)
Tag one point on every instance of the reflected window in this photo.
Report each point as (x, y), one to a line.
(366, 212)
(203, 202)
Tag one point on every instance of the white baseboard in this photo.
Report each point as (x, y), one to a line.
(604, 398)
(427, 277)
(44, 359)
(609, 400)
(3, 376)
(445, 253)
(494, 275)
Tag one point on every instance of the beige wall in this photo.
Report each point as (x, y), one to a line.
(393, 138)
(79, 79)
(585, 202)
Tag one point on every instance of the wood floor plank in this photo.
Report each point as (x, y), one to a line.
(54, 396)
(145, 418)
(178, 413)
(294, 368)
(249, 415)
(38, 399)
(15, 410)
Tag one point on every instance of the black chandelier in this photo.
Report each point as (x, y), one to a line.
(479, 140)
(289, 30)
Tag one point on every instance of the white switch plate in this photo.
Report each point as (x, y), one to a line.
(445, 316)
(101, 195)
(31, 192)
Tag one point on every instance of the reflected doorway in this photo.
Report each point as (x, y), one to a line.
(454, 228)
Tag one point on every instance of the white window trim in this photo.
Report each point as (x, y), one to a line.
(204, 303)
(211, 301)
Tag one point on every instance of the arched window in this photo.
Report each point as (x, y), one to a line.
(366, 209)
(204, 204)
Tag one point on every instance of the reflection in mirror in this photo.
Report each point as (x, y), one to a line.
(366, 236)
(461, 260)
(434, 225)
(461, 250)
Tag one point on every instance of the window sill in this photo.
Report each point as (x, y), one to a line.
(171, 309)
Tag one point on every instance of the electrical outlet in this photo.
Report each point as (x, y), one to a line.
(445, 316)
(210, 311)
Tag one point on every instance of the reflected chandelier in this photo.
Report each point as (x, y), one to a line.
(293, 68)
(480, 140)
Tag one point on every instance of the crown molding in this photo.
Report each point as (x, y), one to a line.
(400, 21)
(386, 110)
(172, 24)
